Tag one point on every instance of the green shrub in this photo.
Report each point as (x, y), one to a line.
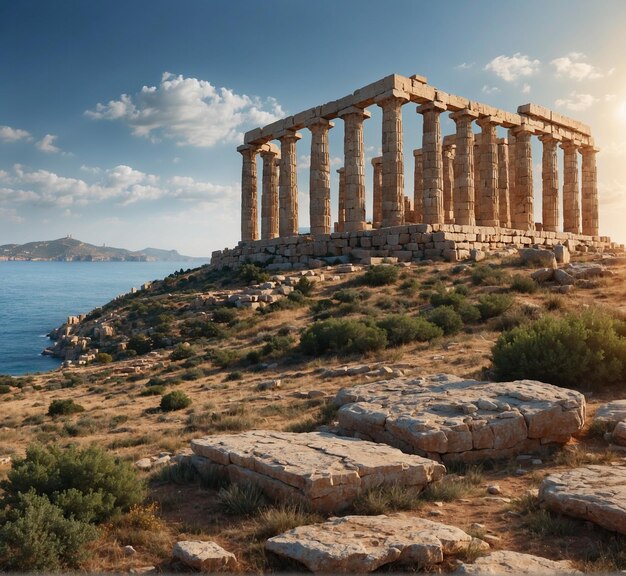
(104, 358)
(457, 300)
(381, 275)
(277, 346)
(252, 273)
(305, 286)
(447, 318)
(585, 349)
(342, 336)
(202, 329)
(140, 344)
(491, 305)
(182, 352)
(224, 357)
(64, 407)
(349, 295)
(152, 391)
(224, 315)
(241, 500)
(523, 284)
(176, 400)
(5, 388)
(488, 274)
(403, 329)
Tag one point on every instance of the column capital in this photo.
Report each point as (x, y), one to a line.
(287, 135)
(486, 121)
(354, 110)
(376, 161)
(269, 150)
(319, 122)
(248, 148)
(570, 145)
(550, 138)
(341, 170)
(522, 130)
(589, 149)
(417, 152)
(464, 113)
(434, 106)
(502, 141)
(390, 96)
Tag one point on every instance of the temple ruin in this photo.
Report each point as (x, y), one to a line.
(471, 190)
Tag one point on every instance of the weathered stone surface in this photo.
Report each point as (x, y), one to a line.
(542, 275)
(613, 415)
(443, 416)
(503, 562)
(595, 493)
(358, 544)
(326, 471)
(538, 257)
(205, 556)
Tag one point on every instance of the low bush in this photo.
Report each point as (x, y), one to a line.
(457, 300)
(447, 318)
(182, 352)
(64, 407)
(140, 344)
(202, 329)
(152, 391)
(276, 520)
(224, 315)
(239, 500)
(176, 400)
(491, 305)
(252, 273)
(305, 286)
(585, 349)
(342, 336)
(224, 357)
(104, 358)
(381, 275)
(386, 498)
(5, 388)
(523, 284)
(488, 274)
(402, 329)
(349, 295)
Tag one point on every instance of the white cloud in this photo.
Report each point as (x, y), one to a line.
(189, 111)
(510, 68)
(8, 134)
(611, 192)
(575, 67)
(90, 169)
(11, 215)
(464, 66)
(486, 89)
(46, 144)
(576, 102)
(526, 89)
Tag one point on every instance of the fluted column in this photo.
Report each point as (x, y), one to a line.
(522, 205)
(319, 177)
(433, 162)
(550, 184)
(511, 146)
(571, 190)
(393, 159)
(341, 200)
(377, 219)
(269, 192)
(418, 186)
(463, 193)
(249, 198)
(488, 211)
(288, 184)
(449, 151)
(354, 165)
(591, 220)
(503, 183)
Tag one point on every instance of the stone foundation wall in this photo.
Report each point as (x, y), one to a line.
(407, 243)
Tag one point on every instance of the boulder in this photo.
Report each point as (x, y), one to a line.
(359, 544)
(561, 253)
(446, 417)
(619, 433)
(613, 416)
(503, 563)
(538, 257)
(204, 555)
(563, 278)
(542, 275)
(596, 493)
(324, 471)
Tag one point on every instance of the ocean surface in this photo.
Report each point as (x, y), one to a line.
(36, 297)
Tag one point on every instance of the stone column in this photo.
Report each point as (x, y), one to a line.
(377, 219)
(418, 187)
(503, 183)
(249, 199)
(511, 146)
(393, 159)
(433, 162)
(449, 151)
(341, 214)
(269, 193)
(463, 193)
(488, 206)
(477, 182)
(288, 184)
(550, 184)
(354, 165)
(522, 206)
(591, 220)
(571, 190)
(319, 177)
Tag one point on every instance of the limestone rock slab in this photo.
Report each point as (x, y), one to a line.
(446, 417)
(326, 471)
(596, 493)
(204, 555)
(613, 414)
(504, 562)
(359, 544)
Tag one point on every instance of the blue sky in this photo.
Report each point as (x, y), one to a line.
(119, 120)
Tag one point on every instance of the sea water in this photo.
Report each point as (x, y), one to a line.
(36, 297)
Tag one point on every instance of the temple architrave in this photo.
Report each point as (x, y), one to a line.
(471, 189)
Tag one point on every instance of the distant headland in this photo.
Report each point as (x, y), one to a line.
(69, 249)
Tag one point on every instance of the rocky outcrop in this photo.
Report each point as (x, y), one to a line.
(325, 471)
(205, 556)
(503, 563)
(446, 417)
(358, 544)
(594, 493)
(612, 417)
(538, 257)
